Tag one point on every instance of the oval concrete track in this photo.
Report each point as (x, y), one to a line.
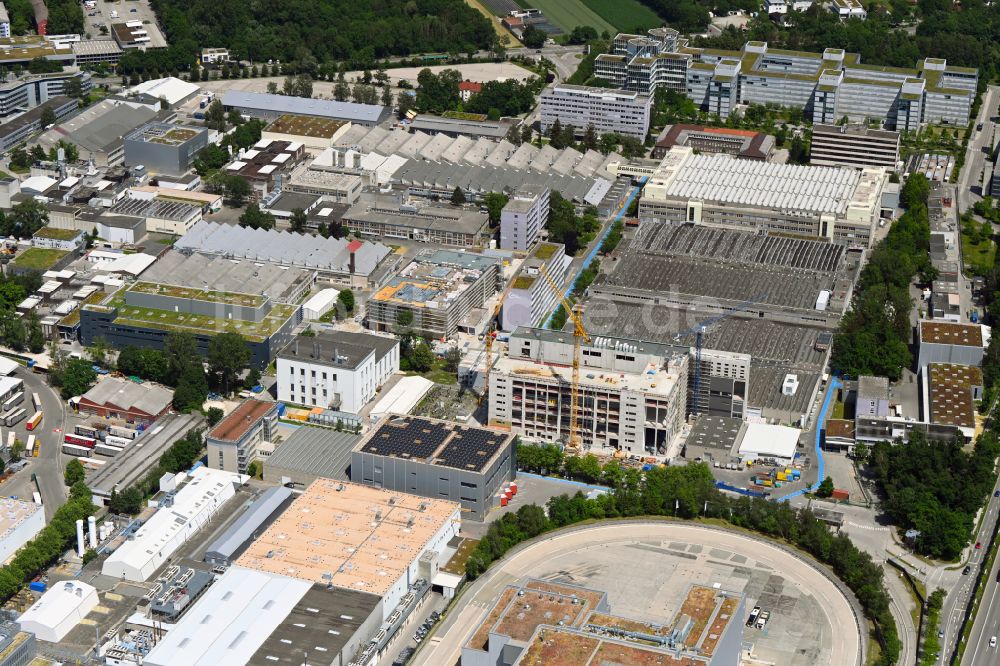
(842, 613)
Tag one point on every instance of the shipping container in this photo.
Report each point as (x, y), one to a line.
(119, 431)
(840, 494)
(120, 442)
(107, 450)
(86, 431)
(11, 437)
(33, 422)
(38, 498)
(80, 440)
(14, 417)
(36, 586)
(36, 401)
(13, 401)
(74, 450)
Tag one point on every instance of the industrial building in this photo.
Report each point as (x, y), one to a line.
(872, 398)
(433, 458)
(439, 290)
(116, 398)
(309, 454)
(950, 395)
(947, 342)
(395, 216)
(337, 370)
(20, 521)
(607, 110)
(136, 462)
(233, 442)
(200, 496)
(253, 617)
(59, 610)
(164, 148)
(827, 86)
(312, 132)
(541, 622)
(764, 442)
(854, 145)
(251, 299)
(633, 394)
(160, 214)
(745, 144)
(269, 504)
(29, 90)
(357, 264)
(17, 130)
(266, 166)
(523, 217)
(837, 204)
(456, 127)
(17, 647)
(402, 398)
(175, 91)
(270, 107)
(531, 296)
(350, 536)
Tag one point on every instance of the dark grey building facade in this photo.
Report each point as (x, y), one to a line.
(437, 459)
(164, 148)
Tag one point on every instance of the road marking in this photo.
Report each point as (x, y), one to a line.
(873, 528)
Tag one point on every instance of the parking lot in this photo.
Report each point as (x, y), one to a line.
(121, 11)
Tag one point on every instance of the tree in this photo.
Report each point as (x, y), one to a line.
(421, 358)
(457, 197)
(533, 37)
(215, 116)
(228, 356)
(192, 389)
(14, 332)
(255, 218)
(17, 450)
(78, 377)
(915, 190)
(210, 158)
(526, 133)
(303, 86)
(237, 189)
(181, 352)
(214, 415)
(298, 221)
(48, 117)
(341, 91)
(74, 472)
(495, 202)
(35, 336)
(590, 137)
(452, 359)
(28, 217)
(404, 102)
(253, 378)
(514, 135)
(98, 351)
(387, 96)
(346, 300)
(825, 488)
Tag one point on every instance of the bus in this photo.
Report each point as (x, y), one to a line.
(33, 446)
(74, 450)
(80, 440)
(107, 450)
(119, 431)
(36, 401)
(35, 419)
(12, 401)
(86, 431)
(120, 442)
(14, 417)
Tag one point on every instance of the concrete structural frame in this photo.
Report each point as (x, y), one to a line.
(437, 459)
(827, 85)
(609, 111)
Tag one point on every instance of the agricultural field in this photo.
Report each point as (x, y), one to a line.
(625, 15)
(567, 14)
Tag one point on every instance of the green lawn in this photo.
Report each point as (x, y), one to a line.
(568, 14)
(38, 258)
(625, 15)
(980, 254)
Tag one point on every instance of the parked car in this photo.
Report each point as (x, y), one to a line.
(966, 570)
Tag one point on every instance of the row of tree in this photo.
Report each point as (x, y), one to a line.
(566, 227)
(689, 492)
(181, 455)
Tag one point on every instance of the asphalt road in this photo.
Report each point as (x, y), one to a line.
(969, 190)
(446, 646)
(48, 467)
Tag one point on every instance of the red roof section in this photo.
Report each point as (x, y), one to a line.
(471, 86)
(354, 246)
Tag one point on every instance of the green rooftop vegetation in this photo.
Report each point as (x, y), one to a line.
(73, 318)
(523, 282)
(544, 251)
(249, 300)
(463, 115)
(39, 259)
(57, 234)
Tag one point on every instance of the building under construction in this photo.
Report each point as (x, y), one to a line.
(632, 395)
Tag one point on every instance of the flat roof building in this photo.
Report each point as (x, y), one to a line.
(269, 504)
(115, 398)
(165, 148)
(531, 296)
(947, 342)
(745, 144)
(195, 502)
(950, 394)
(17, 130)
(456, 127)
(267, 106)
(853, 145)
(396, 216)
(59, 610)
(439, 289)
(311, 131)
(311, 453)
(17, 647)
(836, 204)
(259, 618)
(434, 458)
(355, 537)
(160, 214)
(233, 443)
(763, 441)
(20, 521)
(175, 91)
(609, 111)
(523, 218)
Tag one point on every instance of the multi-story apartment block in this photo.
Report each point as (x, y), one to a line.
(531, 296)
(523, 217)
(232, 444)
(609, 111)
(828, 85)
(632, 394)
(337, 370)
(854, 145)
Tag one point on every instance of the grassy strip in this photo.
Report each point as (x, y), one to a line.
(932, 644)
(981, 581)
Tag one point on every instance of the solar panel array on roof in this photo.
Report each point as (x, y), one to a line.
(416, 439)
(470, 449)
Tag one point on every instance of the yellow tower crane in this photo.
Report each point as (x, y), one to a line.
(579, 337)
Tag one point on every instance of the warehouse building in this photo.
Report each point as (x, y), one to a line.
(531, 296)
(59, 610)
(20, 521)
(233, 443)
(311, 453)
(164, 148)
(312, 132)
(837, 204)
(745, 144)
(947, 342)
(827, 86)
(350, 536)
(767, 443)
(609, 111)
(253, 617)
(439, 290)
(456, 127)
(175, 91)
(336, 370)
(355, 263)
(395, 216)
(271, 107)
(438, 459)
(195, 502)
(523, 217)
(633, 394)
(950, 395)
(268, 505)
(160, 214)
(116, 398)
(854, 145)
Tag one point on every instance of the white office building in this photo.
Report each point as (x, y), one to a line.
(609, 111)
(523, 217)
(4, 22)
(531, 297)
(204, 493)
(19, 523)
(336, 370)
